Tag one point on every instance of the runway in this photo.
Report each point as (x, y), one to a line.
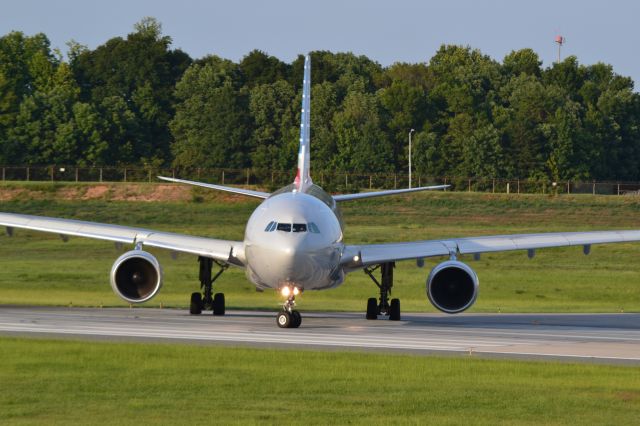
(607, 338)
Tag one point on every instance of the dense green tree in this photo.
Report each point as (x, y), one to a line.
(568, 75)
(212, 126)
(465, 80)
(528, 104)
(46, 129)
(27, 64)
(260, 68)
(275, 136)
(523, 61)
(324, 105)
(137, 100)
(406, 108)
(361, 144)
(143, 71)
(427, 154)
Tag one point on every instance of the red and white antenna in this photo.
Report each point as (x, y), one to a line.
(560, 40)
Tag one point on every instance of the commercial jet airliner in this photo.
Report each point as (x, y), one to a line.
(293, 242)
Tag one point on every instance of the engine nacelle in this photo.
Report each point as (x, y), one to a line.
(452, 287)
(136, 276)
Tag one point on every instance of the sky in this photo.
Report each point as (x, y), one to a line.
(385, 31)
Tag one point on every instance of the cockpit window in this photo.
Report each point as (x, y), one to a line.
(285, 227)
(299, 227)
(288, 227)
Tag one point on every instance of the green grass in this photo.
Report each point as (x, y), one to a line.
(38, 268)
(68, 382)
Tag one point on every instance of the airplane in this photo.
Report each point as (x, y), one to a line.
(294, 242)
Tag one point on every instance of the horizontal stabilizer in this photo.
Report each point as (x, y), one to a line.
(348, 197)
(247, 192)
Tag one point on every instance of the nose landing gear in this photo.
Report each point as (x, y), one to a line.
(289, 317)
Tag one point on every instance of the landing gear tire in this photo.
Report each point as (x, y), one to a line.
(204, 300)
(372, 308)
(218, 304)
(284, 320)
(296, 319)
(195, 307)
(394, 310)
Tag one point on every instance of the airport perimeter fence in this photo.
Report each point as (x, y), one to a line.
(332, 181)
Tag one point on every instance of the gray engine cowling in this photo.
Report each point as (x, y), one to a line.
(136, 276)
(452, 287)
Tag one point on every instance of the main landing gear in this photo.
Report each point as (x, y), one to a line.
(383, 306)
(289, 317)
(204, 301)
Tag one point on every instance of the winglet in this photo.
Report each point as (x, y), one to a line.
(303, 176)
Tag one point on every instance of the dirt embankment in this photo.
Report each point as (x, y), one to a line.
(108, 192)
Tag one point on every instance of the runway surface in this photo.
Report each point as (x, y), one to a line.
(609, 338)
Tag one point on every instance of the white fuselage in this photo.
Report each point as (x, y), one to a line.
(294, 239)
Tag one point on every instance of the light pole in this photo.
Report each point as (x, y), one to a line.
(410, 132)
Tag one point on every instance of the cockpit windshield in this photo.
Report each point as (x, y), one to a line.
(289, 227)
(286, 227)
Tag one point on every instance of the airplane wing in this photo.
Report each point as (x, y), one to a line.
(358, 196)
(248, 192)
(222, 250)
(357, 256)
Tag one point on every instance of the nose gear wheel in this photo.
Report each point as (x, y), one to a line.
(289, 317)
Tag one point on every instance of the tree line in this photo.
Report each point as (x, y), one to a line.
(136, 100)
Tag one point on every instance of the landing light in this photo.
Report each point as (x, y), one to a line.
(356, 258)
(286, 291)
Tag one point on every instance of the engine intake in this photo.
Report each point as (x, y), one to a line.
(136, 276)
(452, 287)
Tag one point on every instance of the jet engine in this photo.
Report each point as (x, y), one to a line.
(452, 287)
(136, 276)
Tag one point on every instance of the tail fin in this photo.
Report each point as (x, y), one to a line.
(303, 177)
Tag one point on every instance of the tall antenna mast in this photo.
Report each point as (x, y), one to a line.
(560, 40)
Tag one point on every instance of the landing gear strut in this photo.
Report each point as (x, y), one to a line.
(383, 306)
(204, 301)
(289, 317)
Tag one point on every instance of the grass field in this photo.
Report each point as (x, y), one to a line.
(38, 268)
(68, 382)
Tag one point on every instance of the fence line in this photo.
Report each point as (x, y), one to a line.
(330, 180)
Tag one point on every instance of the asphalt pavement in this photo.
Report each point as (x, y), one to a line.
(605, 338)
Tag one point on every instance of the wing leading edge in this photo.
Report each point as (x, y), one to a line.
(231, 252)
(371, 254)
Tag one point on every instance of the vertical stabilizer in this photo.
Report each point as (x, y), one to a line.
(303, 178)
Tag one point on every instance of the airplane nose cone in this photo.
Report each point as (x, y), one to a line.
(294, 262)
